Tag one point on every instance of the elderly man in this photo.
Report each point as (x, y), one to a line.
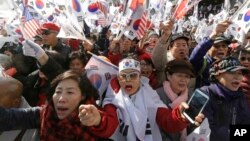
(51, 42)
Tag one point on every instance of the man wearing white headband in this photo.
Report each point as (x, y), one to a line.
(133, 110)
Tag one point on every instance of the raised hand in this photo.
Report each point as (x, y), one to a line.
(32, 49)
(166, 29)
(89, 115)
(220, 28)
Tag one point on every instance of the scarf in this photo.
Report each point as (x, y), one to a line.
(137, 117)
(68, 129)
(176, 99)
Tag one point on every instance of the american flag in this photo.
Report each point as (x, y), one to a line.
(102, 8)
(30, 26)
(142, 26)
(102, 21)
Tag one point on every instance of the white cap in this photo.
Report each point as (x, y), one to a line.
(129, 64)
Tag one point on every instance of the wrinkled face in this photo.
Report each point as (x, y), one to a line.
(178, 81)
(49, 37)
(219, 50)
(66, 98)
(76, 65)
(245, 60)
(180, 49)
(230, 80)
(129, 81)
(146, 68)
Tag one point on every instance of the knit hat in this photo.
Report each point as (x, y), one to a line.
(180, 66)
(129, 64)
(228, 64)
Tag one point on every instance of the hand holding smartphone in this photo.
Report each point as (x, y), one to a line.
(196, 103)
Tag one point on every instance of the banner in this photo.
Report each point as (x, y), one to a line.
(100, 72)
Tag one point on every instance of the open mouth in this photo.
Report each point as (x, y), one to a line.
(235, 84)
(145, 73)
(61, 110)
(182, 53)
(128, 87)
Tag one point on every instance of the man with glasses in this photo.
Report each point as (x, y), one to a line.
(50, 40)
(213, 48)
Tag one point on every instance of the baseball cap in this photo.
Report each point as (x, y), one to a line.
(178, 36)
(222, 39)
(228, 64)
(50, 26)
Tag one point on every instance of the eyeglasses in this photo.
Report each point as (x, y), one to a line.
(47, 32)
(245, 58)
(128, 76)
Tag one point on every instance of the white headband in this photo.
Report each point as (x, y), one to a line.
(129, 64)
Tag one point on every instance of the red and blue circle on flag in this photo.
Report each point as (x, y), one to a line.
(96, 80)
(247, 16)
(93, 7)
(39, 4)
(136, 24)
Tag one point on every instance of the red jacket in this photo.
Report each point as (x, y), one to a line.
(170, 122)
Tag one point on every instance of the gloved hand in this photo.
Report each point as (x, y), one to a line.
(32, 49)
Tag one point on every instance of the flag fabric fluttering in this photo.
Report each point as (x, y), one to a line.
(103, 7)
(242, 16)
(30, 26)
(100, 72)
(142, 26)
(133, 26)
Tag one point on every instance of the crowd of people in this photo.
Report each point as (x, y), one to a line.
(46, 94)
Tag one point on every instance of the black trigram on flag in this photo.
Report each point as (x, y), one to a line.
(148, 128)
(107, 76)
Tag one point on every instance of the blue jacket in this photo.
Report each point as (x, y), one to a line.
(197, 60)
(224, 108)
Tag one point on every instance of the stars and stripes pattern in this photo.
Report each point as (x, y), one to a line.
(102, 21)
(142, 26)
(30, 26)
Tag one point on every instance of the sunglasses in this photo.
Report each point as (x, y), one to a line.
(47, 32)
(128, 76)
(245, 58)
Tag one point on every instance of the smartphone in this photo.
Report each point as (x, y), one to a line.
(196, 103)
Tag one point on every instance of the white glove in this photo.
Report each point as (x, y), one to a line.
(32, 49)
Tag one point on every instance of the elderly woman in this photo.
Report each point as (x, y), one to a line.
(139, 110)
(227, 104)
(58, 120)
(175, 90)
